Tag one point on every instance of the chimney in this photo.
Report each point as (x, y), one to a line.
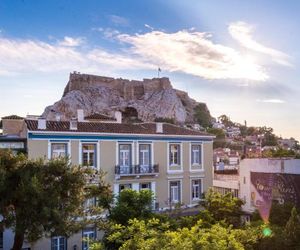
(73, 124)
(80, 115)
(159, 127)
(118, 116)
(41, 123)
(57, 117)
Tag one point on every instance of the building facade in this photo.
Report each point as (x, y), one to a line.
(175, 163)
(260, 182)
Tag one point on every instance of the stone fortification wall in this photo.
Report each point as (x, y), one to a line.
(129, 89)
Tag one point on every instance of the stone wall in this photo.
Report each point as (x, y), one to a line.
(129, 89)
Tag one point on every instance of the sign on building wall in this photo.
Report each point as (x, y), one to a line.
(269, 187)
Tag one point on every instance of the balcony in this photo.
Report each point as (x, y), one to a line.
(136, 170)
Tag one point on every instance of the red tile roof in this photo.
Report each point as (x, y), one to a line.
(114, 128)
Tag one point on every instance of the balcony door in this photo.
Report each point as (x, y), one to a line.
(125, 158)
(144, 158)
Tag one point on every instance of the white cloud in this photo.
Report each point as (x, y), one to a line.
(118, 20)
(193, 53)
(22, 56)
(278, 101)
(72, 42)
(148, 26)
(186, 51)
(242, 32)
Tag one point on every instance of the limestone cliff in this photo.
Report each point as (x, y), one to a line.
(149, 99)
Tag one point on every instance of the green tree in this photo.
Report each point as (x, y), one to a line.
(202, 115)
(132, 204)
(225, 120)
(280, 213)
(292, 230)
(40, 197)
(224, 207)
(153, 234)
(219, 133)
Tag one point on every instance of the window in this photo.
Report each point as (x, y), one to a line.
(88, 235)
(125, 158)
(174, 154)
(144, 157)
(89, 155)
(58, 243)
(196, 155)
(175, 191)
(124, 186)
(89, 203)
(196, 189)
(145, 186)
(59, 150)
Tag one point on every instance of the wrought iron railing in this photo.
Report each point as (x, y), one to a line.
(137, 170)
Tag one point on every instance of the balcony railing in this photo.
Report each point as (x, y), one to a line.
(136, 170)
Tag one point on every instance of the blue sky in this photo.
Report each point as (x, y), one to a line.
(240, 57)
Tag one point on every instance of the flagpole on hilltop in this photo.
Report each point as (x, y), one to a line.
(158, 71)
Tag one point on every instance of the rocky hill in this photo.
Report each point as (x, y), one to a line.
(147, 100)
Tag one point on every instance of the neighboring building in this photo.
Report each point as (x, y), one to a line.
(260, 182)
(263, 181)
(175, 163)
(233, 132)
(13, 136)
(218, 125)
(226, 181)
(225, 158)
(287, 143)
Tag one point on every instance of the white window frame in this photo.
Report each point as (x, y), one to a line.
(180, 155)
(133, 159)
(130, 186)
(80, 152)
(86, 237)
(169, 191)
(95, 151)
(200, 167)
(145, 182)
(68, 144)
(192, 186)
(58, 238)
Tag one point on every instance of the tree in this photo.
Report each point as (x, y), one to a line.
(132, 204)
(40, 197)
(153, 234)
(219, 133)
(225, 120)
(224, 207)
(292, 230)
(280, 213)
(202, 115)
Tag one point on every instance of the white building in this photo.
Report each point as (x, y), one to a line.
(260, 182)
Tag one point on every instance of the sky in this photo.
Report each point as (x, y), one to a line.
(239, 57)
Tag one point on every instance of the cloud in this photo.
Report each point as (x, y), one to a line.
(193, 53)
(185, 51)
(278, 101)
(242, 32)
(23, 56)
(118, 20)
(148, 26)
(71, 42)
